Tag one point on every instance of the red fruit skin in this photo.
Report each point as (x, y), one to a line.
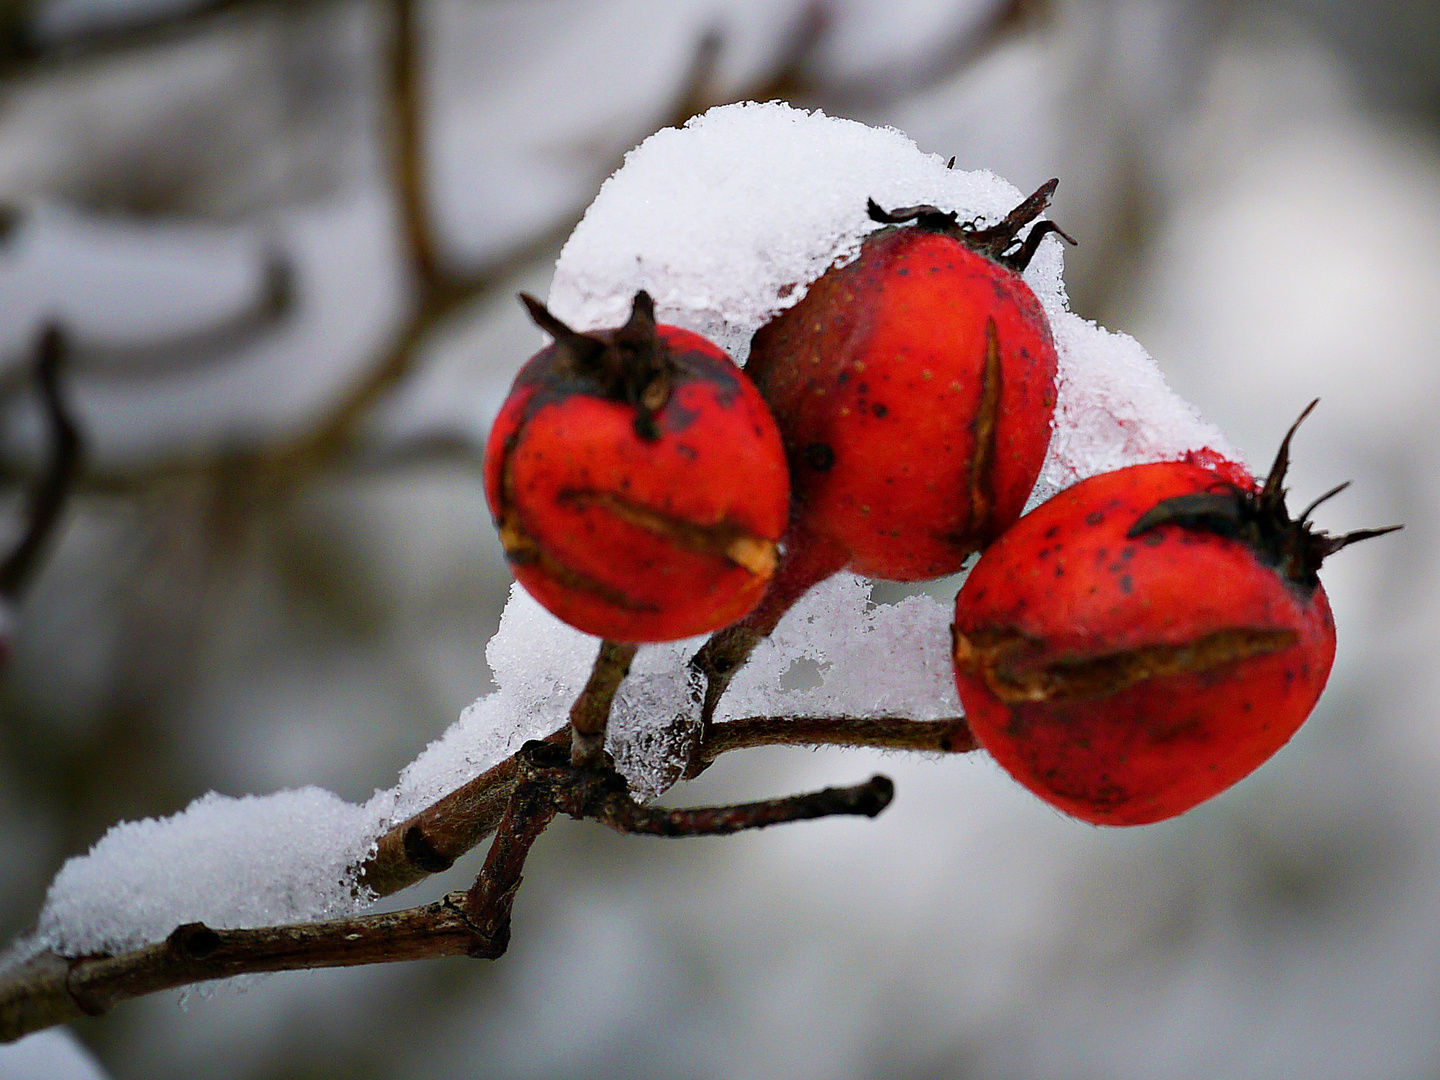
(624, 537)
(878, 379)
(1073, 594)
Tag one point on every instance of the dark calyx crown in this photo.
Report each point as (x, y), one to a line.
(1261, 521)
(1000, 242)
(630, 365)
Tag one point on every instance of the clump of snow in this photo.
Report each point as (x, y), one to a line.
(726, 222)
(540, 664)
(837, 628)
(222, 861)
(654, 727)
(1115, 409)
(655, 721)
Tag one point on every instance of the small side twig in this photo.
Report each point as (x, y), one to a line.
(52, 489)
(549, 782)
(858, 800)
(431, 840)
(948, 736)
(590, 715)
(531, 808)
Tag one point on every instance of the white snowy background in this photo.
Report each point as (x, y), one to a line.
(1255, 191)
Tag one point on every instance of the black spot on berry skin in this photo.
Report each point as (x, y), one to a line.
(1059, 571)
(903, 271)
(1153, 539)
(819, 456)
(689, 453)
(1095, 517)
(842, 378)
(1126, 583)
(1052, 532)
(863, 388)
(677, 417)
(879, 410)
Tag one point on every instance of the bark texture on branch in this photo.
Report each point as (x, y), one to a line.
(48, 989)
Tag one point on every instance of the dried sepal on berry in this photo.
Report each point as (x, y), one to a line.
(1261, 520)
(999, 242)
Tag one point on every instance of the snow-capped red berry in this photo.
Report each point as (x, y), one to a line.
(1146, 638)
(914, 388)
(637, 480)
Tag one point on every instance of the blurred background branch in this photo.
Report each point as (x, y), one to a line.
(52, 487)
(283, 239)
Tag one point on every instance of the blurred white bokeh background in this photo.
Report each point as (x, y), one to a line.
(201, 193)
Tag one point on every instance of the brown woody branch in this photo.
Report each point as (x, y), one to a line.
(948, 736)
(521, 796)
(48, 989)
(431, 840)
(442, 291)
(189, 350)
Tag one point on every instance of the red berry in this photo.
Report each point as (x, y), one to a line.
(637, 480)
(914, 389)
(1146, 638)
